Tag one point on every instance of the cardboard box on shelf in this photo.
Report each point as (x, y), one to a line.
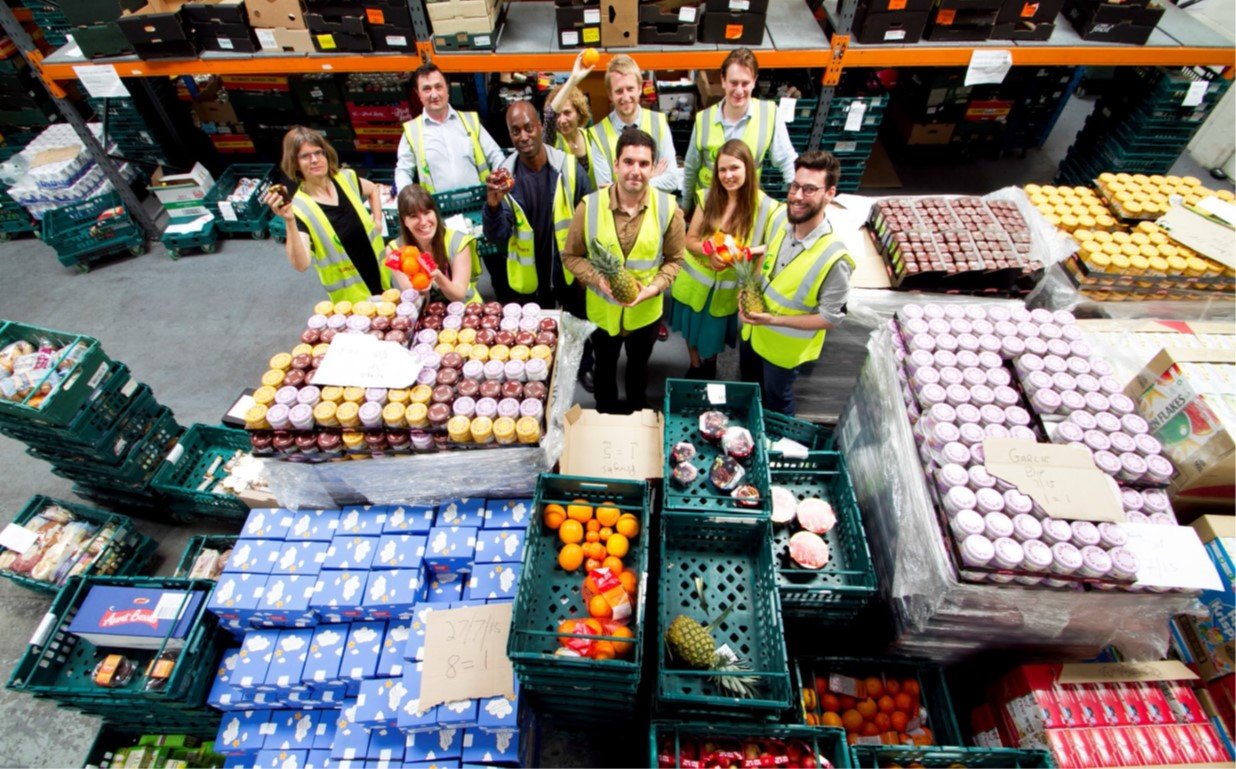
(216, 11)
(466, 25)
(1210, 639)
(611, 446)
(158, 30)
(276, 14)
(578, 27)
(901, 28)
(182, 194)
(619, 23)
(732, 28)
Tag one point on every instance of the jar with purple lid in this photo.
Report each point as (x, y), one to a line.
(1060, 349)
(1132, 423)
(978, 455)
(1096, 440)
(971, 377)
(452, 322)
(970, 434)
(1100, 367)
(1081, 348)
(936, 326)
(990, 343)
(1038, 556)
(358, 324)
(1153, 500)
(1105, 421)
(1047, 401)
(1036, 345)
(1158, 469)
(1086, 383)
(967, 523)
(1009, 554)
(998, 312)
(967, 343)
(301, 417)
(950, 475)
(992, 414)
(1027, 329)
(990, 360)
(310, 395)
(1054, 364)
(423, 351)
(427, 376)
(1066, 559)
(977, 551)
(967, 359)
(1070, 401)
(286, 396)
(278, 417)
(474, 369)
(1056, 531)
(1024, 364)
(918, 359)
(955, 395)
(956, 453)
(455, 308)
(1063, 381)
(953, 311)
(376, 395)
(1131, 500)
(1122, 443)
(982, 395)
(946, 342)
(941, 434)
(910, 311)
(998, 524)
(421, 440)
(957, 499)
(487, 407)
(932, 310)
(1005, 328)
(1112, 535)
(1035, 381)
(1071, 333)
(406, 310)
(980, 479)
(371, 414)
(1084, 533)
(464, 407)
(1083, 419)
(1124, 564)
(924, 376)
(531, 407)
(527, 323)
(1012, 346)
(1132, 467)
(508, 407)
(1163, 519)
(1040, 315)
(515, 371)
(1097, 402)
(1107, 462)
(427, 336)
(988, 500)
(1068, 432)
(940, 413)
(1050, 330)
(1096, 563)
(967, 413)
(410, 295)
(944, 358)
(337, 322)
(536, 369)
(974, 311)
(508, 324)
(1017, 503)
(1026, 527)
(981, 326)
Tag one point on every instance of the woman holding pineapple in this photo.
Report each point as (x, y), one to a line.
(731, 224)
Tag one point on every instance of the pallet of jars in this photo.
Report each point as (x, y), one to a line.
(1142, 197)
(970, 373)
(1099, 277)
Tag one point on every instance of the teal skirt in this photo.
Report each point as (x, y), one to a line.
(707, 333)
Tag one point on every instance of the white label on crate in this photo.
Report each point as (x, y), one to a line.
(101, 81)
(790, 449)
(716, 394)
(686, 14)
(740, 5)
(785, 109)
(988, 67)
(98, 378)
(169, 605)
(19, 539)
(266, 39)
(845, 147)
(40, 633)
(119, 448)
(397, 41)
(840, 684)
(175, 454)
(226, 44)
(1197, 90)
(894, 34)
(482, 41)
(570, 38)
(592, 16)
(914, 724)
(226, 210)
(854, 116)
(867, 740)
(129, 387)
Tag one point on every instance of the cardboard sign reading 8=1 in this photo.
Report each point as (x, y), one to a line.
(465, 655)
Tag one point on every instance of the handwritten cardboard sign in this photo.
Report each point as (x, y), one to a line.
(1063, 479)
(1171, 557)
(360, 360)
(1209, 238)
(1106, 672)
(465, 655)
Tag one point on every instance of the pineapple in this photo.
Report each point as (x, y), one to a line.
(693, 644)
(622, 284)
(750, 286)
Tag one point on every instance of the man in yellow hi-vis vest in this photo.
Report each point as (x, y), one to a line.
(806, 282)
(533, 216)
(644, 226)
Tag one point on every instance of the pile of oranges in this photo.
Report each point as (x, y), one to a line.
(410, 265)
(878, 709)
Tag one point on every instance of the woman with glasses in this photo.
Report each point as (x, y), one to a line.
(327, 222)
(705, 291)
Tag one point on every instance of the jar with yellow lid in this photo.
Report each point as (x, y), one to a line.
(1038, 199)
(1132, 208)
(1098, 262)
(1138, 264)
(343, 308)
(391, 295)
(1225, 195)
(1139, 238)
(543, 352)
(302, 349)
(324, 307)
(1129, 249)
(353, 442)
(385, 309)
(521, 352)
(528, 430)
(1089, 247)
(1176, 265)
(459, 429)
(1168, 250)
(1158, 264)
(479, 352)
(1111, 249)
(264, 395)
(464, 350)
(1051, 218)
(443, 348)
(273, 378)
(1120, 237)
(449, 336)
(255, 418)
(1085, 220)
(1082, 234)
(1068, 222)
(504, 431)
(482, 430)
(1158, 238)
(394, 415)
(1192, 200)
(1195, 267)
(422, 394)
(1120, 264)
(354, 394)
(1151, 208)
(417, 415)
(348, 414)
(332, 394)
(364, 308)
(1101, 236)
(1105, 221)
(398, 396)
(1062, 209)
(1213, 269)
(1032, 189)
(467, 335)
(326, 414)
(281, 361)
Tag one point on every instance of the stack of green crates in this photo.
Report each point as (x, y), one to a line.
(1143, 124)
(187, 477)
(467, 201)
(198, 543)
(117, 748)
(59, 666)
(49, 18)
(14, 220)
(249, 216)
(115, 547)
(547, 596)
(385, 176)
(95, 229)
(127, 129)
(852, 146)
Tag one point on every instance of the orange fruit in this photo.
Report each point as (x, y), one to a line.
(874, 687)
(627, 526)
(829, 703)
(810, 719)
(570, 557)
(867, 708)
(892, 686)
(607, 514)
(596, 551)
(882, 722)
(889, 738)
(580, 510)
(600, 608)
(821, 685)
(851, 739)
(924, 737)
(554, 516)
(910, 687)
(830, 719)
(591, 564)
(629, 582)
(420, 281)
(571, 532)
(905, 739)
(899, 720)
(886, 704)
(808, 699)
(622, 631)
(590, 57)
(606, 532)
(603, 650)
(617, 545)
(846, 702)
(578, 627)
(613, 563)
(408, 265)
(852, 720)
(592, 525)
(904, 703)
(592, 536)
(869, 730)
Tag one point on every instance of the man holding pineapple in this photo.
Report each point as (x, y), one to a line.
(805, 281)
(626, 246)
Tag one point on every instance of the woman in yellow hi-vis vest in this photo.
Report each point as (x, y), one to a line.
(567, 119)
(454, 252)
(705, 292)
(327, 222)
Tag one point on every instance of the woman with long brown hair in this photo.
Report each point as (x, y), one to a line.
(454, 253)
(705, 291)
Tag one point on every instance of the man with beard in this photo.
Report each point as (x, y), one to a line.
(806, 282)
(533, 216)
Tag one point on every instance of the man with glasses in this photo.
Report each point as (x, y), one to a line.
(806, 283)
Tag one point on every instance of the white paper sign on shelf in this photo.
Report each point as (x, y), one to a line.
(266, 39)
(988, 67)
(686, 14)
(1195, 94)
(19, 539)
(854, 116)
(101, 81)
(785, 109)
(1171, 557)
(359, 360)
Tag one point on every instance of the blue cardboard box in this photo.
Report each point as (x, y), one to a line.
(458, 714)
(450, 549)
(293, 729)
(408, 719)
(339, 595)
(415, 648)
(364, 648)
(267, 523)
(240, 761)
(300, 558)
(447, 764)
(399, 551)
(499, 580)
(467, 512)
(241, 732)
(282, 759)
(499, 546)
(324, 732)
(436, 745)
(137, 617)
(351, 741)
(256, 652)
(480, 747)
(377, 705)
(390, 664)
(285, 603)
(325, 654)
(409, 519)
(507, 514)
(224, 696)
(385, 745)
(313, 526)
(320, 759)
(363, 520)
(287, 662)
(499, 712)
(440, 592)
(393, 593)
(236, 596)
(253, 556)
(351, 551)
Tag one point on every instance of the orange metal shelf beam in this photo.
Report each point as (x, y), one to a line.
(930, 56)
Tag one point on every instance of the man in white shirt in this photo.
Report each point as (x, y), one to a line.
(624, 81)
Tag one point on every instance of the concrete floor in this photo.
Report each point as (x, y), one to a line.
(200, 329)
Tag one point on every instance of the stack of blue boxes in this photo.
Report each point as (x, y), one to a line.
(330, 609)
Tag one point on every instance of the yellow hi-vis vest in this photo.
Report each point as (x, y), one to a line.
(644, 261)
(606, 135)
(794, 291)
(697, 276)
(335, 269)
(520, 248)
(709, 136)
(414, 132)
(457, 241)
(589, 152)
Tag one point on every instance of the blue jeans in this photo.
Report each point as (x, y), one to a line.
(776, 383)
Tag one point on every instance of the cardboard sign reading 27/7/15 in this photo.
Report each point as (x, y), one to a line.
(465, 655)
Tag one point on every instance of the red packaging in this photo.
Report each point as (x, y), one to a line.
(1157, 708)
(1165, 744)
(1061, 749)
(1208, 743)
(983, 727)
(1183, 702)
(1134, 705)
(1103, 751)
(1182, 737)
(1068, 708)
(1089, 709)
(1079, 742)
(1144, 745)
(1122, 747)
(1223, 692)
(1111, 704)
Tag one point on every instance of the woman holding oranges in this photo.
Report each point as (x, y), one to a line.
(456, 262)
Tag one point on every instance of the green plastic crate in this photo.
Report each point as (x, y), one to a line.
(814, 437)
(881, 756)
(848, 581)
(277, 228)
(934, 696)
(685, 400)
(132, 502)
(667, 739)
(199, 543)
(201, 448)
(736, 566)
(110, 740)
(247, 217)
(127, 553)
(205, 240)
(112, 446)
(79, 237)
(91, 425)
(132, 456)
(547, 595)
(461, 200)
(60, 406)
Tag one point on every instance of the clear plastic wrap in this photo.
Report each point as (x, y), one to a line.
(1056, 292)
(1048, 245)
(431, 478)
(935, 614)
(1129, 345)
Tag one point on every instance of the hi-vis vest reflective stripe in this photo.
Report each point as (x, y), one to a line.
(456, 241)
(589, 152)
(644, 261)
(697, 277)
(710, 135)
(414, 131)
(335, 269)
(520, 248)
(606, 136)
(794, 291)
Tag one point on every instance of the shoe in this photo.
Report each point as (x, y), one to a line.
(585, 381)
(662, 332)
(693, 372)
(708, 370)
